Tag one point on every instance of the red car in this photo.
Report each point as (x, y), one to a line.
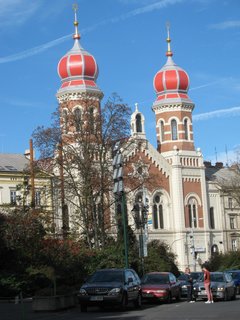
(160, 286)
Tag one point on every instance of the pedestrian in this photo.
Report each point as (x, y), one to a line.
(189, 281)
(207, 283)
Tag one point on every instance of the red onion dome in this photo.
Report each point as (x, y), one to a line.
(78, 68)
(171, 82)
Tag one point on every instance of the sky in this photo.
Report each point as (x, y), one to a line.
(128, 40)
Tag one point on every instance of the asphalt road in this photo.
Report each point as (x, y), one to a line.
(183, 310)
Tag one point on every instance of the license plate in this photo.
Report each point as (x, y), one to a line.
(203, 292)
(96, 298)
(147, 294)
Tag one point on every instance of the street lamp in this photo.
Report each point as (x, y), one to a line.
(118, 191)
(140, 216)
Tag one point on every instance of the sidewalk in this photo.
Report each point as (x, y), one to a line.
(23, 311)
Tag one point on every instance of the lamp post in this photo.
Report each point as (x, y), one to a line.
(140, 216)
(118, 191)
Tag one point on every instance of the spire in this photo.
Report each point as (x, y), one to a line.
(76, 35)
(169, 52)
(136, 107)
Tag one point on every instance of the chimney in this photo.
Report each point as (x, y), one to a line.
(207, 164)
(27, 154)
(219, 165)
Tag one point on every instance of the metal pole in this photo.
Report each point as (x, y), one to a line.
(32, 174)
(124, 230)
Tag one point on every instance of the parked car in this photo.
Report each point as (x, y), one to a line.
(236, 278)
(222, 286)
(162, 286)
(111, 287)
(184, 283)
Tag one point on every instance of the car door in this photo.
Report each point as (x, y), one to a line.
(173, 285)
(132, 285)
(229, 284)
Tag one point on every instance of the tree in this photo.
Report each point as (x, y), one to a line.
(230, 185)
(82, 167)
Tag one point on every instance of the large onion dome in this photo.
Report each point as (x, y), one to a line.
(78, 69)
(171, 82)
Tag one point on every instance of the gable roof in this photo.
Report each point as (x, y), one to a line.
(11, 162)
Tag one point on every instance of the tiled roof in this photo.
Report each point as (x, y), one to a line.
(10, 162)
(214, 173)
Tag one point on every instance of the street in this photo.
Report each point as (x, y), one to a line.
(229, 310)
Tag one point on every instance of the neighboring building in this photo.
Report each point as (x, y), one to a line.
(15, 184)
(186, 207)
(224, 212)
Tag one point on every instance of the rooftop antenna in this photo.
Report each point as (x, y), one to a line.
(216, 154)
(226, 150)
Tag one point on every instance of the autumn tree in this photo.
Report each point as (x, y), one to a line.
(82, 166)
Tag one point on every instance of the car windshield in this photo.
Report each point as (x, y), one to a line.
(217, 277)
(235, 275)
(182, 277)
(155, 279)
(196, 275)
(107, 276)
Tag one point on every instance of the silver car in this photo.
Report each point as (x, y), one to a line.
(222, 286)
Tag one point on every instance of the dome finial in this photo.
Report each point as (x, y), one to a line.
(136, 107)
(76, 35)
(169, 52)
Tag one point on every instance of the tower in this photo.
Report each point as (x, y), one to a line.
(79, 96)
(173, 108)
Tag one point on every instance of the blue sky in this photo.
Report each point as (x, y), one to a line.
(128, 40)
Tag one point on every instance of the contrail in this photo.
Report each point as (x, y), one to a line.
(226, 25)
(231, 112)
(33, 51)
(206, 85)
(36, 50)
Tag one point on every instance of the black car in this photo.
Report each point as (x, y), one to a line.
(107, 287)
(183, 280)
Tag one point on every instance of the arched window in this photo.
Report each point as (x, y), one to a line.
(214, 249)
(138, 123)
(158, 219)
(162, 130)
(186, 129)
(192, 213)
(174, 129)
(211, 218)
(65, 120)
(77, 118)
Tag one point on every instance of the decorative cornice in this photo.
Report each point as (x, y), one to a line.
(172, 107)
(78, 95)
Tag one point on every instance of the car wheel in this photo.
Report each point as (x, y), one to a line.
(234, 295)
(226, 298)
(138, 301)
(178, 297)
(83, 307)
(124, 302)
(169, 298)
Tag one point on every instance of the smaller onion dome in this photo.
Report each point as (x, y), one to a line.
(171, 82)
(78, 69)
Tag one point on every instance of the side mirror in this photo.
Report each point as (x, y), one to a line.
(130, 280)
